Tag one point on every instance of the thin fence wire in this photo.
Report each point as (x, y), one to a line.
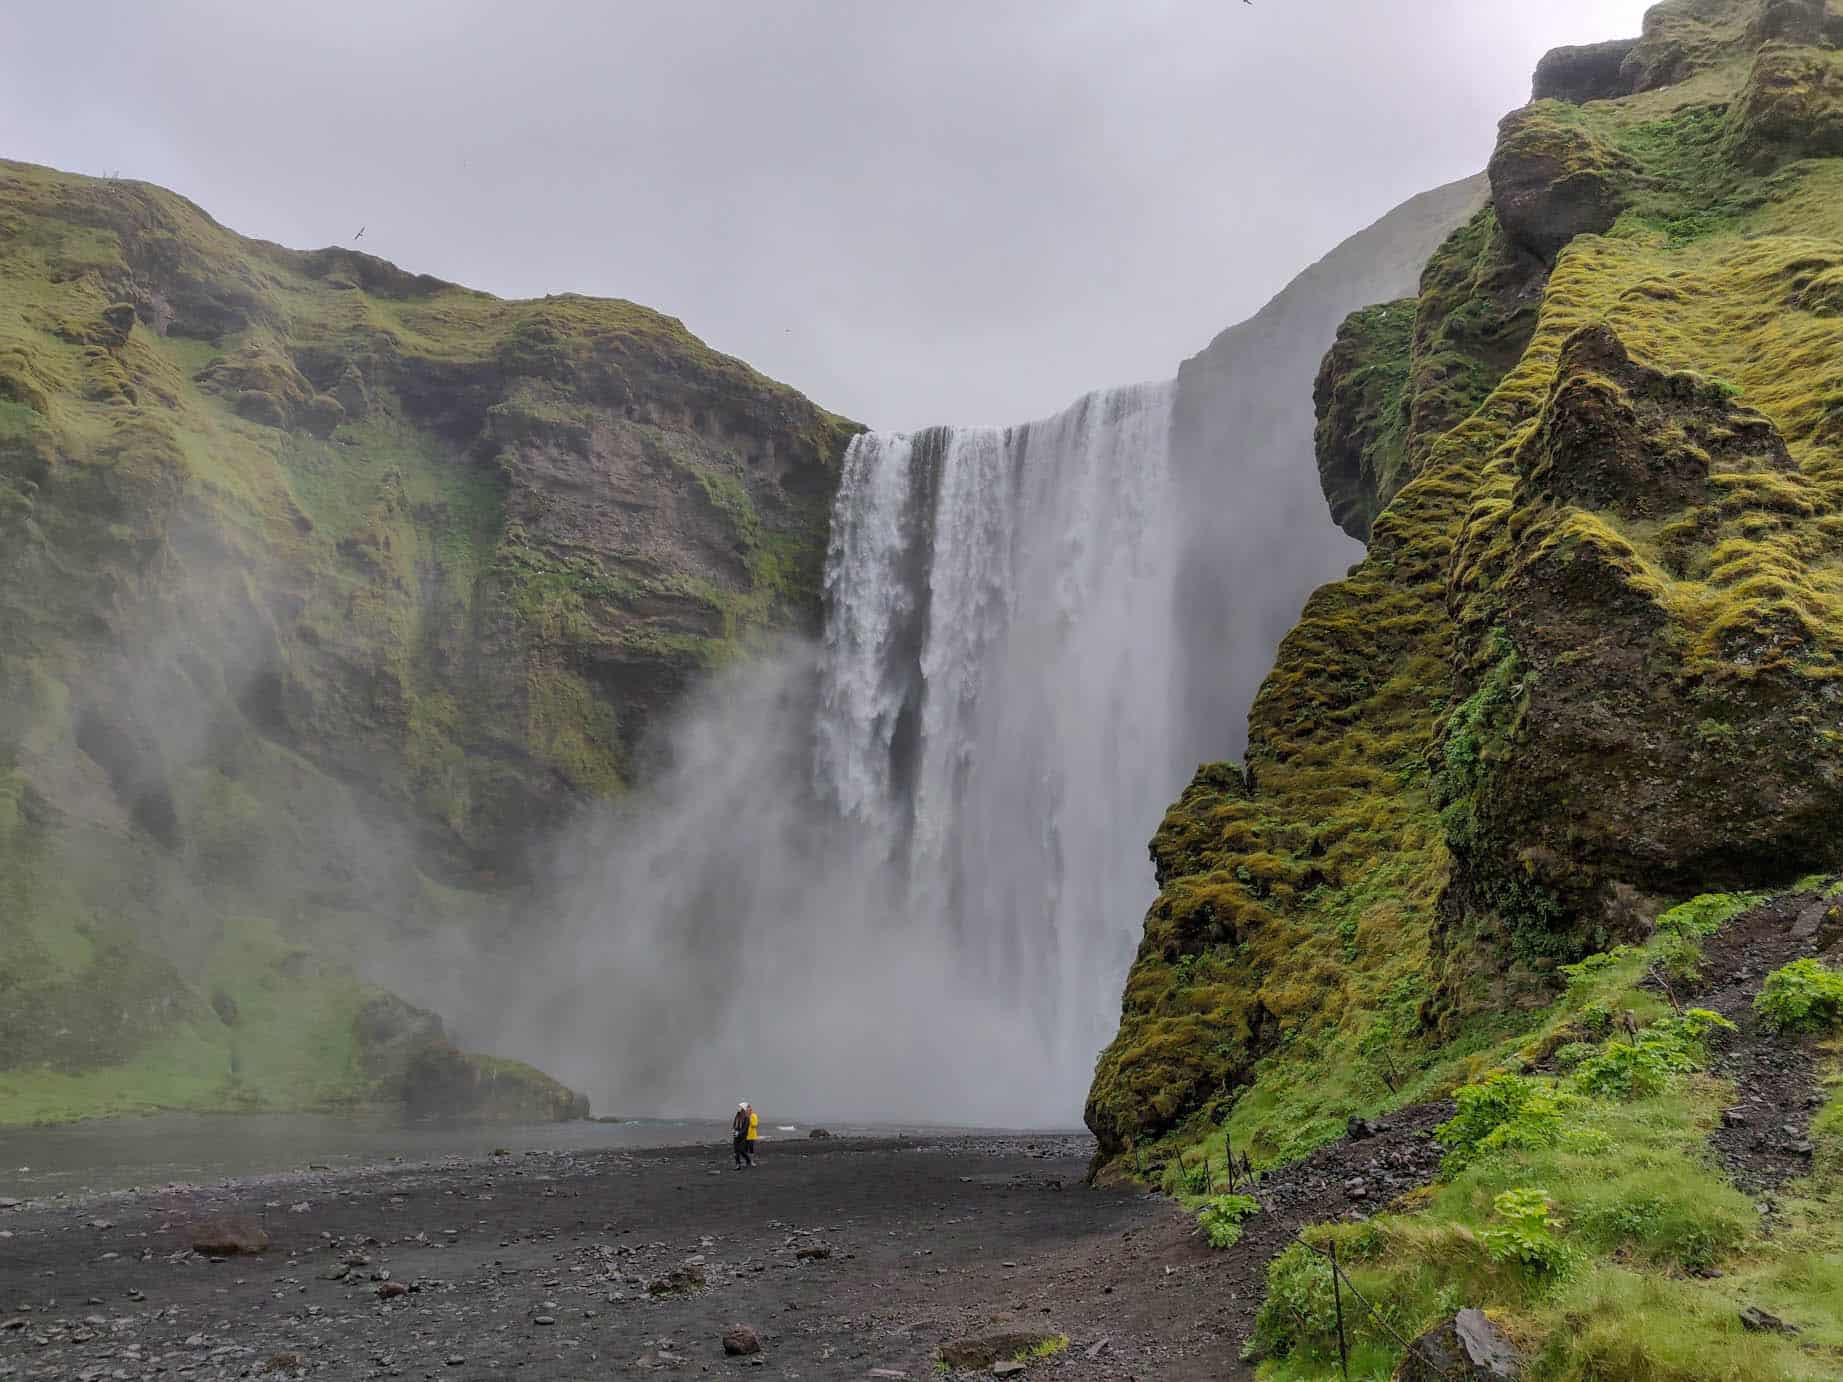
(1338, 1274)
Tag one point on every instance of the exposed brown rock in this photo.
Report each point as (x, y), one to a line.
(229, 1237)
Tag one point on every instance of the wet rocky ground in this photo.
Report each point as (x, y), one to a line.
(841, 1258)
(845, 1258)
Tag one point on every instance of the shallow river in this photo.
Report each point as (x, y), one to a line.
(121, 1153)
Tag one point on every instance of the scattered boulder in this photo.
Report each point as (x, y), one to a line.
(1466, 1345)
(1360, 1129)
(1006, 1368)
(978, 1352)
(390, 1290)
(289, 1360)
(739, 1341)
(6, 1203)
(229, 1237)
(813, 1252)
(820, 1135)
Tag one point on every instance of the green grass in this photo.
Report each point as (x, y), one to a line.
(1651, 1253)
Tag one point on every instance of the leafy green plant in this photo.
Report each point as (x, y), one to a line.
(1529, 1236)
(1503, 1111)
(1299, 1306)
(1708, 913)
(1804, 996)
(1221, 1219)
(1649, 1062)
(1571, 1055)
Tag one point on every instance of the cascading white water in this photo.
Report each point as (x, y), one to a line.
(902, 874)
(1030, 645)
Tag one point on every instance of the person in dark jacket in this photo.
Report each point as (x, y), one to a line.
(739, 1133)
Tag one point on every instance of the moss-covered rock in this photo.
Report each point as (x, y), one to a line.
(1552, 179)
(1591, 659)
(1581, 73)
(1361, 396)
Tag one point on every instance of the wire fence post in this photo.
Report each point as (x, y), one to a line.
(1338, 1281)
(1337, 1298)
(1228, 1151)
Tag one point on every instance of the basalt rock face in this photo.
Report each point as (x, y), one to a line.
(1597, 764)
(324, 587)
(1593, 661)
(1590, 72)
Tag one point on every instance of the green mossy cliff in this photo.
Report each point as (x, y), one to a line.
(324, 587)
(1593, 660)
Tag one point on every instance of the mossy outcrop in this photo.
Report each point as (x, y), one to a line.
(324, 588)
(1590, 660)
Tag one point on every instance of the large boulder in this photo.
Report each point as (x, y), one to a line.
(1552, 180)
(1584, 72)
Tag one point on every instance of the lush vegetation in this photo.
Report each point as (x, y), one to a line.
(320, 588)
(1583, 1210)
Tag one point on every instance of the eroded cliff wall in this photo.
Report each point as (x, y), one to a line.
(324, 587)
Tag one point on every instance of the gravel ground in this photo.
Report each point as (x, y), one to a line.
(842, 1256)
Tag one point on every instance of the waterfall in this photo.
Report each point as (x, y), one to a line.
(996, 694)
(899, 874)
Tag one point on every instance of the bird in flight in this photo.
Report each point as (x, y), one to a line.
(361, 233)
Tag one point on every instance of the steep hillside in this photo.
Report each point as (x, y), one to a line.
(1591, 667)
(323, 587)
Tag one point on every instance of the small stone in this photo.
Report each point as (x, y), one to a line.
(455, 1360)
(887, 1372)
(1757, 1321)
(1006, 1368)
(1733, 1118)
(817, 1252)
(390, 1290)
(819, 1135)
(1098, 1347)
(545, 1319)
(6, 1203)
(227, 1237)
(740, 1341)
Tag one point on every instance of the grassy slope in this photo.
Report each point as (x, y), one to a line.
(1328, 940)
(303, 622)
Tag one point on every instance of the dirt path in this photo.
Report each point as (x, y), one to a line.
(1765, 1137)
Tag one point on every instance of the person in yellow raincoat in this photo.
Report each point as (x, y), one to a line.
(748, 1146)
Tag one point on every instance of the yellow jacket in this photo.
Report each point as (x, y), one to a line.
(753, 1120)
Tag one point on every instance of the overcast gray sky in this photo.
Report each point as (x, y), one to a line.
(914, 210)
